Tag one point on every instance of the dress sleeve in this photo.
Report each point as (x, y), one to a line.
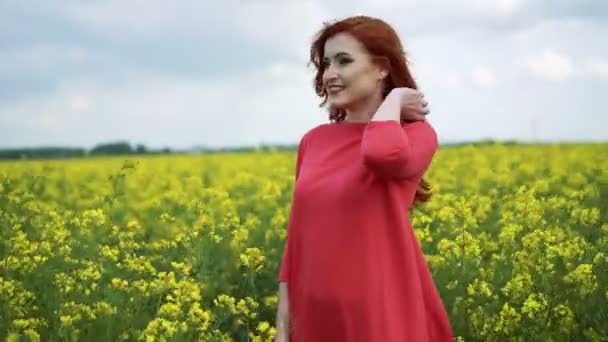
(284, 268)
(398, 151)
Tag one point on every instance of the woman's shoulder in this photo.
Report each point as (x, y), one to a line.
(314, 130)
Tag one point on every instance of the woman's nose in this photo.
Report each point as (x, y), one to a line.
(329, 75)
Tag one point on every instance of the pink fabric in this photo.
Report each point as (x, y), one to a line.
(353, 266)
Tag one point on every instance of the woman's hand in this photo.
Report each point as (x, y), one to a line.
(414, 107)
(282, 320)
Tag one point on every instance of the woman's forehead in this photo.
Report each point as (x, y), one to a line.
(342, 42)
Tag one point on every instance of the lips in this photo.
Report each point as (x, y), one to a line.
(334, 89)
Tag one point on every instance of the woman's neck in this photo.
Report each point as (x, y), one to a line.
(365, 109)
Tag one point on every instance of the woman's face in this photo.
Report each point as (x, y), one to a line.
(349, 75)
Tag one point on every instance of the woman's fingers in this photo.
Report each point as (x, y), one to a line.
(414, 105)
(422, 108)
(425, 106)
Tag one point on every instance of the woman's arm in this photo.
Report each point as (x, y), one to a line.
(395, 151)
(282, 319)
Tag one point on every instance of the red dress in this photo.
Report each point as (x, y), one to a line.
(353, 266)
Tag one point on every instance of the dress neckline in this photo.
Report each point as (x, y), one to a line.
(355, 123)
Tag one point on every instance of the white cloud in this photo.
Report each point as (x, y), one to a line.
(596, 67)
(283, 25)
(244, 109)
(497, 8)
(453, 81)
(551, 65)
(152, 16)
(508, 6)
(33, 59)
(79, 102)
(160, 72)
(434, 75)
(279, 25)
(483, 76)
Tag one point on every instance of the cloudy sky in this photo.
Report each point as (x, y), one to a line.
(234, 72)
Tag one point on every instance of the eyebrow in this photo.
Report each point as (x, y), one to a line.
(339, 54)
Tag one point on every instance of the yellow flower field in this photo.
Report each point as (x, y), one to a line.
(187, 247)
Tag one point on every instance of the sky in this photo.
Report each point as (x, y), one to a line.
(190, 73)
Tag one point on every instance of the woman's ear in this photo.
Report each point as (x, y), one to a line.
(382, 64)
(381, 73)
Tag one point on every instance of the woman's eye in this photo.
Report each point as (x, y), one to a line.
(344, 61)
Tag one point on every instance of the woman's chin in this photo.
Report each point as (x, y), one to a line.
(338, 103)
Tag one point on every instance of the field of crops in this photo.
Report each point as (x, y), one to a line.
(188, 247)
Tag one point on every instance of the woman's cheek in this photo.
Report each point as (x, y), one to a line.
(354, 95)
(342, 98)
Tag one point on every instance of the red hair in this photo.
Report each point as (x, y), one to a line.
(383, 44)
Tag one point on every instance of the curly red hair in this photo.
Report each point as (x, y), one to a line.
(383, 44)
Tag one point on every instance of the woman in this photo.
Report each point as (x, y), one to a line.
(352, 269)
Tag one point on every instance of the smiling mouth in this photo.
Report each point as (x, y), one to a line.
(335, 90)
